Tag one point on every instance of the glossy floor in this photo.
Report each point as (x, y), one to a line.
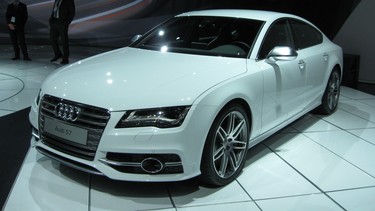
(317, 163)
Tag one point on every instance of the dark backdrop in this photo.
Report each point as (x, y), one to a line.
(114, 23)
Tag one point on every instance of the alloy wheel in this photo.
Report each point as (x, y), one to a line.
(333, 90)
(230, 144)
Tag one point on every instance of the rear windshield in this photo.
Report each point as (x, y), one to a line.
(216, 36)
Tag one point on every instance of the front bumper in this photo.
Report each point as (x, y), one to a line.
(139, 154)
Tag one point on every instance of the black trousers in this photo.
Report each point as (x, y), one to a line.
(59, 30)
(18, 40)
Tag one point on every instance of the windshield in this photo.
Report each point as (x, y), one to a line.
(216, 36)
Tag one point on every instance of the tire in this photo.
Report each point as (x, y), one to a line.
(331, 95)
(226, 146)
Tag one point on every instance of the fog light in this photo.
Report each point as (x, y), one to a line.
(152, 165)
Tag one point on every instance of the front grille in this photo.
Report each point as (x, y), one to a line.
(90, 118)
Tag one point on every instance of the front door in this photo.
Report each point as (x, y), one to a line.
(284, 81)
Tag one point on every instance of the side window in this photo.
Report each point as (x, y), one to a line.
(277, 35)
(305, 35)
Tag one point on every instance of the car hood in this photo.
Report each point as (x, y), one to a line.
(131, 78)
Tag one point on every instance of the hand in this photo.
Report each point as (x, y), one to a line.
(12, 26)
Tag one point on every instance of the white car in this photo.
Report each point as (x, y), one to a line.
(188, 98)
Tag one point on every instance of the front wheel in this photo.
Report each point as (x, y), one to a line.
(331, 95)
(226, 146)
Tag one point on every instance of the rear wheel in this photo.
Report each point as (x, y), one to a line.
(331, 95)
(226, 146)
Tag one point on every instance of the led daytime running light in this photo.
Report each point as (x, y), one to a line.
(158, 117)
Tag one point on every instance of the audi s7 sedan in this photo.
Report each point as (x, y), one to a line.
(188, 98)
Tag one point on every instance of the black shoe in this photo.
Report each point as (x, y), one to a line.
(55, 58)
(16, 58)
(65, 61)
(26, 58)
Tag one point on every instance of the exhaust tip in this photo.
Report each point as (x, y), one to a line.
(152, 165)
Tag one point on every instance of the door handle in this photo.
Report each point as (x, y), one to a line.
(325, 57)
(301, 64)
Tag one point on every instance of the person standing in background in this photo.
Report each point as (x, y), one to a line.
(16, 17)
(62, 15)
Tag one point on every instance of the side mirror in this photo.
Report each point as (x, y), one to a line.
(136, 37)
(281, 53)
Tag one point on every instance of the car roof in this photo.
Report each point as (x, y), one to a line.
(241, 13)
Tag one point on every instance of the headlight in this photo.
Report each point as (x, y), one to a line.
(158, 117)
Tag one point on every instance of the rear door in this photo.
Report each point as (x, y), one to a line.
(308, 41)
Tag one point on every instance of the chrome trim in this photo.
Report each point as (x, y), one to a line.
(119, 163)
(67, 112)
(66, 162)
(158, 167)
(35, 133)
(133, 164)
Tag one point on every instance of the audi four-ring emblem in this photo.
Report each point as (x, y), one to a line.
(67, 112)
